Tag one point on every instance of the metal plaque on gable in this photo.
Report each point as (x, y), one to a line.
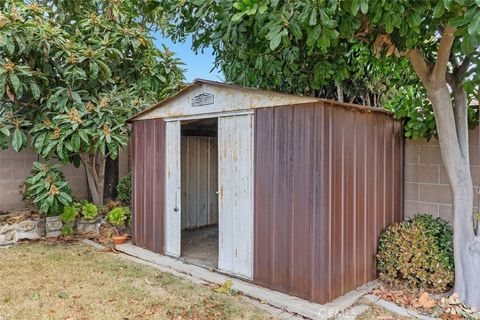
(202, 99)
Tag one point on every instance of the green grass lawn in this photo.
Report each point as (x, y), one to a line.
(74, 281)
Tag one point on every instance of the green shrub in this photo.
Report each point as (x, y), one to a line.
(89, 211)
(124, 189)
(118, 217)
(68, 217)
(417, 252)
(47, 189)
(69, 214)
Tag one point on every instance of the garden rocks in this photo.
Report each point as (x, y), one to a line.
(26, 230)
(87, 226)
(11, 233)
(53, 227)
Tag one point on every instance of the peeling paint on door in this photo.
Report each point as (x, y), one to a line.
(235, 165)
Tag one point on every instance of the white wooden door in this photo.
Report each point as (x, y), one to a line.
(235, 203)
(173, 199)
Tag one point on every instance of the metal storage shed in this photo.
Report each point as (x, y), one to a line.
(299, 187)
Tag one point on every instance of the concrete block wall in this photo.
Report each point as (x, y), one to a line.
(16, 166)
(426, 182)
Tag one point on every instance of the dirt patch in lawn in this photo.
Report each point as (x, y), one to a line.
(74, 281)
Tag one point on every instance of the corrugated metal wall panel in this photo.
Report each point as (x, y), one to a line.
(199, 181)
(148, 151)
(324, 179)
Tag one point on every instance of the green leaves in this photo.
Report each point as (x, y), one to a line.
(70, 78)
(364, 6)
(355, 6)
(47, 188)
(19, 140)
(15, 81)
(238, 16)
(313, 17)
(418, 252)
(474, 27)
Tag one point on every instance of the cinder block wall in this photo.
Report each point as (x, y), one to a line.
(426, 182)
(15, 167)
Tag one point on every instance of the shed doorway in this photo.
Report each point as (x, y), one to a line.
(199, 185)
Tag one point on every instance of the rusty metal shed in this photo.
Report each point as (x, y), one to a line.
(293, 190)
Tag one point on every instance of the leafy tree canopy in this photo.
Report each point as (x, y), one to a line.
(72, 72)
(317, 47)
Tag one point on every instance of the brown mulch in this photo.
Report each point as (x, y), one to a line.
(18, 216)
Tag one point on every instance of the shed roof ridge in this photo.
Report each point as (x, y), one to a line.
(199, 81)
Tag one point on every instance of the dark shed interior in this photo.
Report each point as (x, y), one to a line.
(199, 192)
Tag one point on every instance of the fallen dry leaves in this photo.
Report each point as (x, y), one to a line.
(445, 307)
(424, 301)
(454, 309)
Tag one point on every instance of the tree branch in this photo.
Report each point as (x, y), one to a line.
(420, 65)
(455, 80)
(461, 119)
(444, 50)
(462, 69)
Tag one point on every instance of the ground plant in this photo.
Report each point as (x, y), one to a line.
(119, 218)
(418, 252)
(47, 189)
(89, 211)
(68, 217)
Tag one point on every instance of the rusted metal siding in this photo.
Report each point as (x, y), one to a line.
(328, 180)
(148, 153)
(199, 181)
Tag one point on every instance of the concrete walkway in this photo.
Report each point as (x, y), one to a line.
(285, 306)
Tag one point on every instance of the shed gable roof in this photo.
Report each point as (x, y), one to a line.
(205, 97)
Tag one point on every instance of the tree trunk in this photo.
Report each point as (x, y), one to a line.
(454, 145)
(95, 166)
(340, 96)
(111, 179)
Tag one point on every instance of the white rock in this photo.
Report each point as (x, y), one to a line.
(28, 235)
(10, 236)
(52, 234)
(6, 228)
(53, 224)
(27, 225)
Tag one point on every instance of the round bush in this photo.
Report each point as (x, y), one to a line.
(417, 252)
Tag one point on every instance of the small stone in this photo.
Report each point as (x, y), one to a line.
(41, 228)
(6, 228)
(85, 226)
(6, 245)
(53, 224)
(27, 225)
(52, 234)
(10, 236)
(3, 239)
(28, 235)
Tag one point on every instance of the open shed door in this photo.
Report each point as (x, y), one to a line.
(235, 203)
(173, 199)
